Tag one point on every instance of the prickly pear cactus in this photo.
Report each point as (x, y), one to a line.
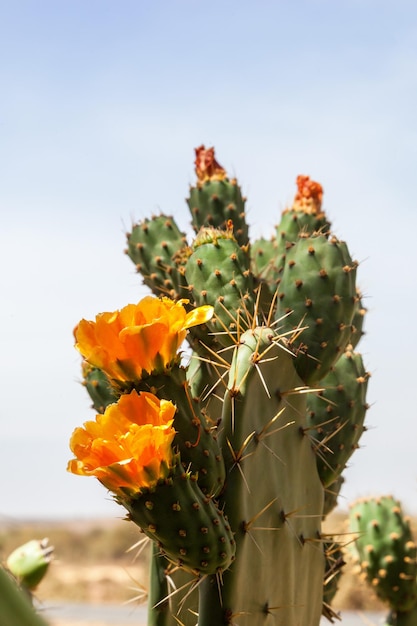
(218, 458)
(267, 454)
(336, 415)
(387, 555)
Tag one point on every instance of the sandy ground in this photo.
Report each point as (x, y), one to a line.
(114, 583)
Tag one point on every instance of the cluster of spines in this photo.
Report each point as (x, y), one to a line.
(336, 415)
(152, 246)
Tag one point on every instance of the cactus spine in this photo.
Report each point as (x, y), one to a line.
(247, 462)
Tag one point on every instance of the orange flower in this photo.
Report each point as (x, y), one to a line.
(140, 338)
(128, 448)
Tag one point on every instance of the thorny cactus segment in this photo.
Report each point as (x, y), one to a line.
(216, 199)
(316, 300)
(336, 415)
(15, 605)
(187, 526)
(386, 551)
(335, 562)
(271, 475)
(218, 273)
(305, 217)
(359, 313)
(152, 245)
(99, 387)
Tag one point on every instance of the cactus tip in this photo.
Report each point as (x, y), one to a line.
(206, 166)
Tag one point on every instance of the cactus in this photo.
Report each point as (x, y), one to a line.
(24, 569)
(15, 605)
(336, 415)
(29, 563)
(229, 472)
(387, 555)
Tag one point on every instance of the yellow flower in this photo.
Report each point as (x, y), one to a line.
(129, 447)
(140, 338)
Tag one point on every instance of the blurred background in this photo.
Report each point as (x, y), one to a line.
(102, 104)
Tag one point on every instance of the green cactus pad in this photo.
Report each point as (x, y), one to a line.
(187, 526)
(359, 313)
(98, 387)
(335, 562)
(152, 245)
(335, 415)
(216, 200)
(15, 605)
(273, 497)
(165, 608)
(218, 273)
(317, 293)
(265, 268)
(263, 256)
(386, 549)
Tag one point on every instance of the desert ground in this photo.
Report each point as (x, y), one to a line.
(99, 562)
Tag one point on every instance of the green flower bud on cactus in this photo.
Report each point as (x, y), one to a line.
(30, 562)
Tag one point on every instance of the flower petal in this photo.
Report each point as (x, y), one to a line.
(129, 446)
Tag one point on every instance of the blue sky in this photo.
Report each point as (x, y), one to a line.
(101, 106)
